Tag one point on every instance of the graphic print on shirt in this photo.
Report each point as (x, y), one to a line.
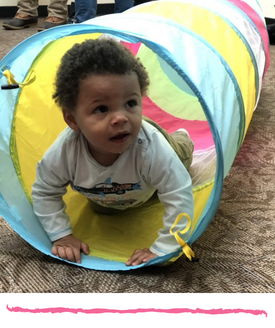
(112, 194)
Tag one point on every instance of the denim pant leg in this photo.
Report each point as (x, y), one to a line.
(58, 8)
(85, 9)
(121, 5)
(27, 7)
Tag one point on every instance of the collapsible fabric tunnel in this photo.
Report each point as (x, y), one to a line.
(205, 59)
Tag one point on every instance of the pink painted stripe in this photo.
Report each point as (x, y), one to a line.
(199, 131)
(55, 310)
(260, 25)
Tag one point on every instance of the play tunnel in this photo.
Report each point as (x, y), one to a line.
(206, 60)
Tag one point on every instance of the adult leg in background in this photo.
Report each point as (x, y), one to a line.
(122, 5)
(57, 15)
(26, 16)
(28, 8)
(85, 9)
(58, 9)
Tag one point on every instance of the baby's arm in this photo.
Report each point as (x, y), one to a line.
(177, 202)
(168, 175)
(52, 179)
(176, 194)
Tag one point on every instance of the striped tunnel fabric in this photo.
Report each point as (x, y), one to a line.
(206, 60)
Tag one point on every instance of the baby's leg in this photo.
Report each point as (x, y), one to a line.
(180, 141)
(183, 146)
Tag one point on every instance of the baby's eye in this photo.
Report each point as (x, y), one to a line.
(131, 103)
(101, 109)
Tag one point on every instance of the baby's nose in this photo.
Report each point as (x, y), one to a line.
(119, 117)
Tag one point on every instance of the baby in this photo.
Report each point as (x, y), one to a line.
(108, 145)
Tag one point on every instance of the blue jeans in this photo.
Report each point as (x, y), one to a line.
(86, 9)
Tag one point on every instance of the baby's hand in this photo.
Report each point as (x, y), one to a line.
(69, 248)
(141, 256)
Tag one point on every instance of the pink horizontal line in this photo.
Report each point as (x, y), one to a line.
(134, 311)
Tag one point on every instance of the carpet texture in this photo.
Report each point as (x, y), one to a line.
(236, 252)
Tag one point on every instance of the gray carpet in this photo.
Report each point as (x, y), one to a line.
(236, 252)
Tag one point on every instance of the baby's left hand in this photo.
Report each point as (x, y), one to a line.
(141, 256)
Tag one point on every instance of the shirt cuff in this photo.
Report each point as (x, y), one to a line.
(60, 234)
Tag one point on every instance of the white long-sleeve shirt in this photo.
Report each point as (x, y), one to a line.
(149, 164)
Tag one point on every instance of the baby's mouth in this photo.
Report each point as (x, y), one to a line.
(121, 136)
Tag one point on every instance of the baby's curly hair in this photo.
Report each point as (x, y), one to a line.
(101, 56)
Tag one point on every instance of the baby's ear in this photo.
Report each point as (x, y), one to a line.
(69, 118)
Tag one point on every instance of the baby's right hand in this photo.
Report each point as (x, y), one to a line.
(69, 248)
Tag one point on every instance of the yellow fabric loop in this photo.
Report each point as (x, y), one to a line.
(185, 247)
(11, 80)
(9, 76)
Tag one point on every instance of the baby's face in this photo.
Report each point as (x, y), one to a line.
(109, 114)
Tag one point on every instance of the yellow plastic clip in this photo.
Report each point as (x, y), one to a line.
(11, 80)
(185, 247)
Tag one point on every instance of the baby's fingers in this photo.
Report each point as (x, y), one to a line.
(59, 251)
(134, 257)
(54, 251)
(72, 254)
(85, 248)
(67, 253)
(140, 256)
